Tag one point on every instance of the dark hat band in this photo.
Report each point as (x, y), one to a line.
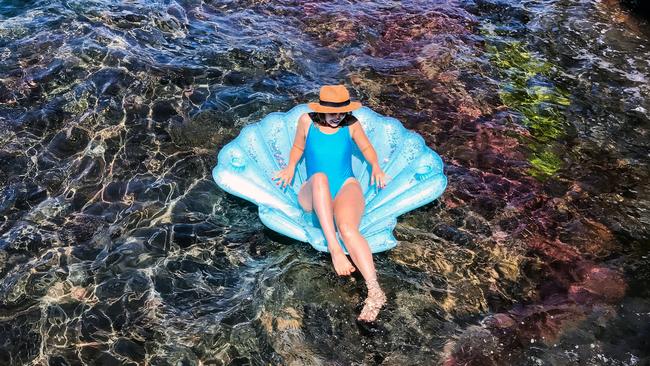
(334, 104)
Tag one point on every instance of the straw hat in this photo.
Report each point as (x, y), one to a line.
(334, 99)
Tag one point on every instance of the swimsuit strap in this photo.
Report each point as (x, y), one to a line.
(312, 123)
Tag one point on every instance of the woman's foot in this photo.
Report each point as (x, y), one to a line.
(373, 303)
(342, 265)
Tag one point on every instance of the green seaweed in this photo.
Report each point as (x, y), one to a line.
(527, 91)
(544, 164)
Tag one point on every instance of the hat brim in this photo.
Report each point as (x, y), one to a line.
(324, 109)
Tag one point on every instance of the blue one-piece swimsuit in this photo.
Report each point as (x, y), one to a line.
(329, 153)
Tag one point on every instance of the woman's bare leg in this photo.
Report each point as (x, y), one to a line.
(304, 196)
(349, 206)
(321, 202)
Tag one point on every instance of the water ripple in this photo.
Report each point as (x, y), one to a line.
(117, 248)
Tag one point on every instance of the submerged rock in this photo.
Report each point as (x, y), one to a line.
(639, 7)
(208, 129)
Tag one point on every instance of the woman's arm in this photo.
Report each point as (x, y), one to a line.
(298, 142)
(362, 141)
(285, 175)
(368, 151)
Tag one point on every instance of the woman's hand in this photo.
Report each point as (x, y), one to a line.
(378, 177)
(284, 176)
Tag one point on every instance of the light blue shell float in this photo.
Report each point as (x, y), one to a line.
(246, 164)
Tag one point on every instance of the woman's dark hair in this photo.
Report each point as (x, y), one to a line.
(320, 119)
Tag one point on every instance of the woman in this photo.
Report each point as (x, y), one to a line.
(331, 189)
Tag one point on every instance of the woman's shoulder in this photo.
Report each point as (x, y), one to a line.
(304, 119)
(304, 124)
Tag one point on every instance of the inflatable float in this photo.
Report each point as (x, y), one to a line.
(246, 165)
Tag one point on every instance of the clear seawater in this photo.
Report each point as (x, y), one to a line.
(116, 247)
